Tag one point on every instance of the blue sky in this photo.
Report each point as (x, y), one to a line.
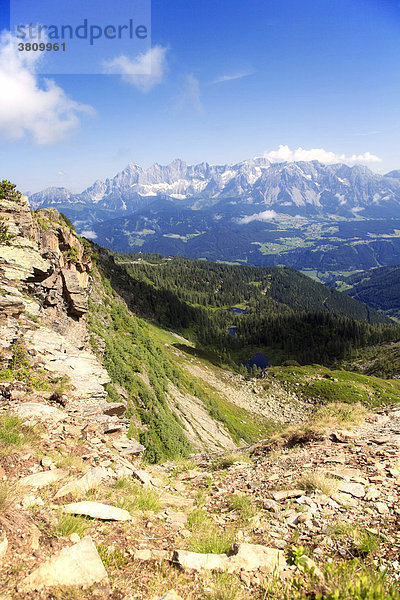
(231, 80)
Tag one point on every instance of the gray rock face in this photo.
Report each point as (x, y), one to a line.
(300, 184)
(75, 293)
(79, 565)
(61, 357)
(96, 510)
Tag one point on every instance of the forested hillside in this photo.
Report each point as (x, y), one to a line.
(235, 310)
(380, 288)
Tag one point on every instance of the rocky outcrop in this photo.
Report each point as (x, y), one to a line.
(46, 269)
(45, 283)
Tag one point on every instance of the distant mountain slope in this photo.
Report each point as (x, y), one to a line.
(379, 288)
(237, 310)
(215, 285)
(254, 212)
(292, 188)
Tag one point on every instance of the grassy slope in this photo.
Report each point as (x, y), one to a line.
(325, 385)
(137, 357)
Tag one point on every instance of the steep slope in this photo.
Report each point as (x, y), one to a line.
(59, 311)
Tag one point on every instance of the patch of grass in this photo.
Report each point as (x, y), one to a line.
(311, 481)
(68, 524)
(182, 465)
(362, 542)
(350, 580)
(337, 414)
(327, 416)
(13, 434)
(8, 497)
(112, 558)
(242, 505)
(206, 537)
(212, 541)
(340, 386)
(70, 461)
(134, 496)
(225, 587)
(227, 460)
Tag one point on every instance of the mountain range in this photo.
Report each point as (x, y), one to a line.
(248, 212)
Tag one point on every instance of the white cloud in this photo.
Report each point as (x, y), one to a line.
(233, 76)
(190, 93)
(27, 107)
(285, 154)
(145, 71)
(89, 234)
(266, 215)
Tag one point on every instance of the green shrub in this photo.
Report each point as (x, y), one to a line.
(8, 191)
(5, 236)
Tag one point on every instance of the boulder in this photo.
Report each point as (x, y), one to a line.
(353, 489)
(97, 510)
(76, 295)
(78, 565)
(128, 447)
(42, 479)
(286, 494)
(35, 411)
(197, 561)
(250, 557)
(246, 557)
(143, 477)
(90, 480)
(114, 409)
(176, 501)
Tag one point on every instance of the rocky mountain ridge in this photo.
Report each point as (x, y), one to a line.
(305, 188)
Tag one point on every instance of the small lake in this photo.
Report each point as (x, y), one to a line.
(259, 360)
(238, 311)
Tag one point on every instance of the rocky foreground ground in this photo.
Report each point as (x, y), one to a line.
(81, 517)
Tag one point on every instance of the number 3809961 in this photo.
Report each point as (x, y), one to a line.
(41, 47)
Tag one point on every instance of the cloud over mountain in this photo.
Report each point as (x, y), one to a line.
(286, 154)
